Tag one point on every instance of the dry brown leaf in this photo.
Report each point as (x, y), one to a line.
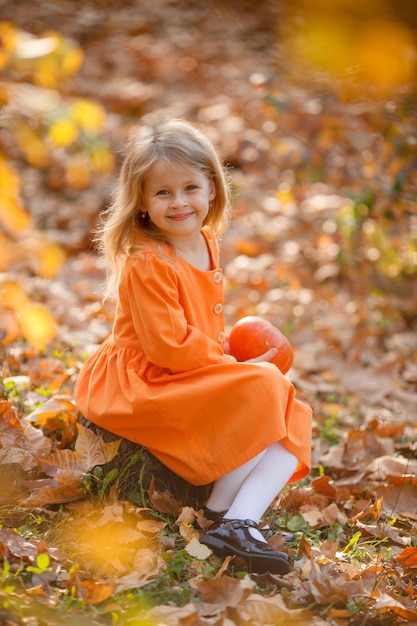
(312, 516)
(223, 592)
(387, 604)
(20, 441)
(399, 501)
(330, 585)
(198, 550)
(329, 548)
(324, 486)
(382, 467)
(382, 530)
(146, 567)
(67, 488)
(363, 445)
(374, 383)
(92, 449)
(188, 532)
(67, 460)
(164, 502)
(11, 541)
(172, 616)
(268, 612)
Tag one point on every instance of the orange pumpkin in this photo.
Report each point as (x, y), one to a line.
(252, 336)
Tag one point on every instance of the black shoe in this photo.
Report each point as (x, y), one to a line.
(232, 537)
(214, 516)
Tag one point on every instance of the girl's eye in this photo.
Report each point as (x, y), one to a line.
(191, 187)
(162, 192)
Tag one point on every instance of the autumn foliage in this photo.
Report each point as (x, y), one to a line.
(314, 113)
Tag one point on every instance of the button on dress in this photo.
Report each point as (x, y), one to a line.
(162, 380)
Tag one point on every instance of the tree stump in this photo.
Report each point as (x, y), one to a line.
(138, 468)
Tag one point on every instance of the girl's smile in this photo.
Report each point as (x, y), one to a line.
(180, 216)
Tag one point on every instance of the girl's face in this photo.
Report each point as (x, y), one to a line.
(177, 198)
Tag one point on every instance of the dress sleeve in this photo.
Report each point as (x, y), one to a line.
(167, 339)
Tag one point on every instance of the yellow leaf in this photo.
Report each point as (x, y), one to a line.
(51, 259)
(46, 257)
(10, 183)
(72, 60)
(12, 296)
(12, 214)
(102, 159)
(63, 132)
(31, 144)
(37, 323)
(8, 36)
(89, 115)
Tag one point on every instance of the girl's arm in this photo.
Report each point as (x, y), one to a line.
(150, 288)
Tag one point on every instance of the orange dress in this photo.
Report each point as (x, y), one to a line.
(162, 379)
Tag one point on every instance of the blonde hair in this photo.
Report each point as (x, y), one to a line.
(173, 140)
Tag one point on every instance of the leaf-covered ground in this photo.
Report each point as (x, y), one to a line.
(323, 243)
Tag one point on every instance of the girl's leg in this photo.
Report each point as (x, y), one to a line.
(237, 533)
(226, 488)
(261, 486)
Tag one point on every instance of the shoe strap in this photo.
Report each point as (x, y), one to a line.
(244, 523)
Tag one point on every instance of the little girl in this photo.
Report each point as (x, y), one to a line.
(162, 378)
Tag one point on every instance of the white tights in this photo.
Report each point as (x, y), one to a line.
(247, 491)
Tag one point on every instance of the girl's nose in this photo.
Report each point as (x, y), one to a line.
(178, 200)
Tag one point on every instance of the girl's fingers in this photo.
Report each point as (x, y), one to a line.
(266, 356)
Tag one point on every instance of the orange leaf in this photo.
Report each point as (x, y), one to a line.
(8, 414)
(408, 558)
(93, 591)
(57, 414)
(68, 490)
(68, 460)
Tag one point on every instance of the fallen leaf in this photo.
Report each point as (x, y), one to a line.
(408, 558)
(198, 550)
(164, 502)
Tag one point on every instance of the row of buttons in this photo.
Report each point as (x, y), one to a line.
(218, 308)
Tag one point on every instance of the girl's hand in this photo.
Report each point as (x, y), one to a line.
(266, 356)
